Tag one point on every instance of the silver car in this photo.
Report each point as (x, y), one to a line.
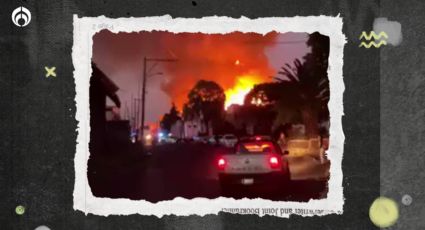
(253, 163)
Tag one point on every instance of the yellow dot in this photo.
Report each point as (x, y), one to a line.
(20, 210)
(383, 212)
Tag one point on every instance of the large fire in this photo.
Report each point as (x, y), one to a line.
(235, 61)
(236, 94)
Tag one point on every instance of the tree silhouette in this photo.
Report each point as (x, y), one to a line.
(310, 82)
(278, 97)
(170, 118)
(205, 101)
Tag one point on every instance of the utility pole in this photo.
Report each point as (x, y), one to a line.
(145, 62)
(143, 96)
(132, 112)
(137, 101)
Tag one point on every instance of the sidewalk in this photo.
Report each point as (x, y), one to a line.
(308, 168)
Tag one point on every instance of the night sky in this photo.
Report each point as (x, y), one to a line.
(217, 57)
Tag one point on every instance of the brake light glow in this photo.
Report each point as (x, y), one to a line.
(221, 163)
(274, 162)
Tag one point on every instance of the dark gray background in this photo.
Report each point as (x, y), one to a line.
(383, 104)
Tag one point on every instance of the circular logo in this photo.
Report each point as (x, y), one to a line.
(20, 210)
(383, 212)
(406, 200)
(21, 16)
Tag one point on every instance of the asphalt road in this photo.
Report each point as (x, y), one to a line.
(178, 170)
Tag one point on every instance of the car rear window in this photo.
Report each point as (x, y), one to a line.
(256, 147)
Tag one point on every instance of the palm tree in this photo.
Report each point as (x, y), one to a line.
(310, 83)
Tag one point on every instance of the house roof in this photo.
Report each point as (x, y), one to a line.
(107, 84)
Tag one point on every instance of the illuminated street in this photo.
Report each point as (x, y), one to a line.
(183, 170)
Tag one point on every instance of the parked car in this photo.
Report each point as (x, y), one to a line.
(301, 147)
(253, 163)
(196, 138)
(168, 140)
(184, 140)
(214, 140)
(200, 139)
(228, 140)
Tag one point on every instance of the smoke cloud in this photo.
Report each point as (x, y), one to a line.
(221, 58)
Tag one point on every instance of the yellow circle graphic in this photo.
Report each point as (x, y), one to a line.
(20, 210)
(383, 212)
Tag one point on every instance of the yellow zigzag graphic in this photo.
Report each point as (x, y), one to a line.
(372, 34)
(372, 43)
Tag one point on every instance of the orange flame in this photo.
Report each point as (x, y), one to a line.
(236, 95)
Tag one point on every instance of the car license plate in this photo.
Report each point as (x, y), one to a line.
(247, 181)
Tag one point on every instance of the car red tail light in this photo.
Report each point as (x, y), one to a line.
(274, 162)
(221, 163)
